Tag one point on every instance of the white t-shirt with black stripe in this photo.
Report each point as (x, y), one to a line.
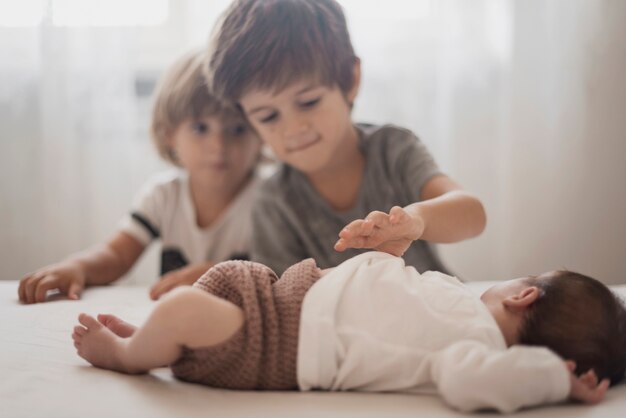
(163, 209)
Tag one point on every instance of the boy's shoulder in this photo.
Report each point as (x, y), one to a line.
(388, 133)
(165, 182)
(390, 144)
(275, 187)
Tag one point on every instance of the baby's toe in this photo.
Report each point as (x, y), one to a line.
(80, 330)
(88, 321)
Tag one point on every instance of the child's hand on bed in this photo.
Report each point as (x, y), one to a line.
(392, 233)
(185, 276)
(66, 277)
(586, 388)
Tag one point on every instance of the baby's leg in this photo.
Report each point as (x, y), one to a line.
(185, 317)
(118, 326)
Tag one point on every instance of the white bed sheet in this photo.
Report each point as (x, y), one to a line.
(41, 375)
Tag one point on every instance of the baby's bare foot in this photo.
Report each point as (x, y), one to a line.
(97, 344)
(118, 326)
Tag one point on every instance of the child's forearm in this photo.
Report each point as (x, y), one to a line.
(108, 262)
(100, 265)
(451, 217)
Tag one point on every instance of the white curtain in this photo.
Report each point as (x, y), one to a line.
(74, 115)
(520, 102)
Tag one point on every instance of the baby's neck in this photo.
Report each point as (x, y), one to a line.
(508, 323)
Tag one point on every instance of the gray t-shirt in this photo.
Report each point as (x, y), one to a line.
(291, 221)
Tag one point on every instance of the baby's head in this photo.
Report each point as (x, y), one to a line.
(192, 129)
(575, 316)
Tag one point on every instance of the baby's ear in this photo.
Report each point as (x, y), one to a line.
(523, 299)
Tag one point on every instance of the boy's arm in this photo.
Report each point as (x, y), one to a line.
(99, 265)
(470, 376)
(449, 214)
(446, 214)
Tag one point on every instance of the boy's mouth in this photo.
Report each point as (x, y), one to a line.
(218, 165)
(302, 143)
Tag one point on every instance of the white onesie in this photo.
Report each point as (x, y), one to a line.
(374, 324)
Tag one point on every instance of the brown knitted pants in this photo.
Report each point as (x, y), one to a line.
(263, 353)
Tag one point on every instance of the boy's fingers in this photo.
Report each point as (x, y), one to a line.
(340, 245)
(30, 289)
(21, 290)
(396, 215)
(165, 289)
(156, 290)
(49, 282)
(75, 290)
(45, 284)
(379, 219)
(571, 365)
(163, 286)
(367, 227)
(351, 229)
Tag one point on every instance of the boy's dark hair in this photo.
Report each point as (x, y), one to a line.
(269, 44)
(580, 319)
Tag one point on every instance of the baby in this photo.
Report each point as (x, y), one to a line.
(374, 324)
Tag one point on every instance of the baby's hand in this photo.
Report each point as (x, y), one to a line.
(586, 388)
(67, 277)
(392, 233)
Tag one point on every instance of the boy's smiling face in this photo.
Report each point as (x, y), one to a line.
(308, 125)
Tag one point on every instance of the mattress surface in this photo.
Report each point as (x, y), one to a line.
(41, 375)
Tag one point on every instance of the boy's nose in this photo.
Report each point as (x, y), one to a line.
(296, 128)
(217, 143)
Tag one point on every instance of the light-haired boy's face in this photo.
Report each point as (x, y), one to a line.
(305, 124)
(223, 150)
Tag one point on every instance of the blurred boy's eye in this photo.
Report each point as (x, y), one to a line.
(200, 127)
(269, 118)
(238, 130)
(310, 103)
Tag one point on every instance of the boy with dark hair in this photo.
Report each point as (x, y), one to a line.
(343, 187)
(373, 324)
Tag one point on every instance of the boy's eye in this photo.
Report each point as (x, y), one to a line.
(200, 127)
(238, 130)
(269, 118)
(310, 103)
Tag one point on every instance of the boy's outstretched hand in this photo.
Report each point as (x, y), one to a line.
(66, 277)
(391, 232)
(586, 388)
